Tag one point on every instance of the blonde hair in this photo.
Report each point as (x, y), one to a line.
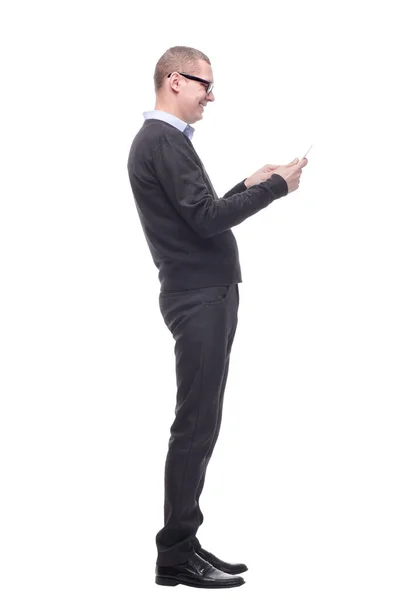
(178, 58)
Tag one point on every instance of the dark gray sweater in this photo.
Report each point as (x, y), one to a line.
(186, 225)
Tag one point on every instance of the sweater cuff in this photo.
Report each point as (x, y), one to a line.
(239, 187)
(278, 184)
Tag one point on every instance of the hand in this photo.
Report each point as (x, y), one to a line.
(265, 173)
(291, 173)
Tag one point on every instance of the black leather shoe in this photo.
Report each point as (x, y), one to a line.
(233, 569)
(196, 572)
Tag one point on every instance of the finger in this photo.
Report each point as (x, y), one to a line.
(302, 163)
(293, 162)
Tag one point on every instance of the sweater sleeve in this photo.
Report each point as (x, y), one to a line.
(185, 185)
(240, 187)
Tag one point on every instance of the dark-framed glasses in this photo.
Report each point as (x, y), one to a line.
(209, 84)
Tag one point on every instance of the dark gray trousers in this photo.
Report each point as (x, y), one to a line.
(203, 324)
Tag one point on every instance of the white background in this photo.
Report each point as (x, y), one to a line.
(303, 485)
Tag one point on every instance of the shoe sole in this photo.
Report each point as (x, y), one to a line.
(174, 581)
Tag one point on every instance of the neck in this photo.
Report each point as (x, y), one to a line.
(169, 109)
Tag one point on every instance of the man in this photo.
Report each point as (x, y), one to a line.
(188, 230)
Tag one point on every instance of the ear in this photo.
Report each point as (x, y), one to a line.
(174, 79)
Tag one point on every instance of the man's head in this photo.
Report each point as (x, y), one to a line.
(179, 94)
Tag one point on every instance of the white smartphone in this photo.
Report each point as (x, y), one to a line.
(307, 151)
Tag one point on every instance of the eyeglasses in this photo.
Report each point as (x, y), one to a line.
(209, 85)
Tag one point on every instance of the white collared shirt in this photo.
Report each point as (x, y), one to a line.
(187, 129)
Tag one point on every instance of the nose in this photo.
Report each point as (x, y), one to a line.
(211, 97)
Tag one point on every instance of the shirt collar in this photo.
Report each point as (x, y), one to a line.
(187, 129)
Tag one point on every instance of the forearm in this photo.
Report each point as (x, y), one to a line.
(218, 216)
(239, 187)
